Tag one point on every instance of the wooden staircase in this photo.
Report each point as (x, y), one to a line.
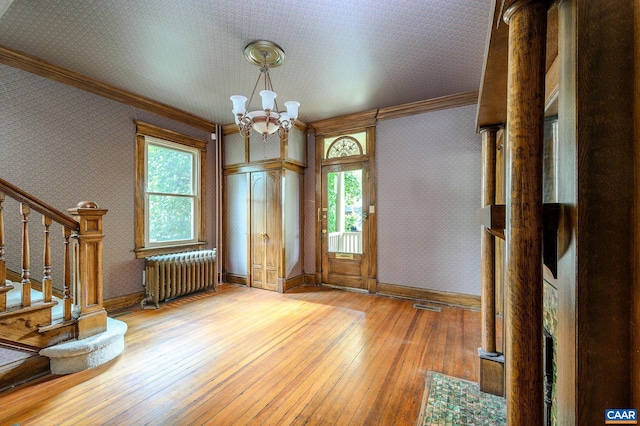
(27, 324)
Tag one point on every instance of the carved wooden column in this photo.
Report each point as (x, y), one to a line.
(635, 318)
(491, 362)
(93, 317)
(524, 226)
(487, 247)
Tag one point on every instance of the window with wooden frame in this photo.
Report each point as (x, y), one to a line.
(169, 195)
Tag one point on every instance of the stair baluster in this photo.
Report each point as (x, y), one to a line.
(47, 282)
(66, 232)
(26, 281)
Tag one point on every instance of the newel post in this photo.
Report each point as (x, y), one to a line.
(89, 274)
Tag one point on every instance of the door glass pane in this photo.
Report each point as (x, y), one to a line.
(344, 211)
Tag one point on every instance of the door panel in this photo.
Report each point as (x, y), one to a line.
(345, 227)
(258, 214)
(265, 214)
(272, 238)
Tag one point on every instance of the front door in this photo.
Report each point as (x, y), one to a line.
(344, 224)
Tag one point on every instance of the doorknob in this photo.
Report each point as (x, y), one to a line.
(365, 216)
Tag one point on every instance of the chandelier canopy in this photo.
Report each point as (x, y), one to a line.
(269, 119)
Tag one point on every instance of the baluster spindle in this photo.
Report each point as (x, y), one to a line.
(47, 285)
(26, 282)
(66, 270)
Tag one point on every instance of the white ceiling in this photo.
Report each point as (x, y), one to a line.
(342, 56)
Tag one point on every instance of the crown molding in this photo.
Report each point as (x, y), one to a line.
(34, 65)
(230, 129)
(361, 120)
(345, 123)
(429, 105)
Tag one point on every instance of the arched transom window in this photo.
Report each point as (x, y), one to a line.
(345, 146)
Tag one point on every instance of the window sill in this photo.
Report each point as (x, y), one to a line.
(143, 252)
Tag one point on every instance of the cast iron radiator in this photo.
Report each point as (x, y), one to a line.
(172, 275)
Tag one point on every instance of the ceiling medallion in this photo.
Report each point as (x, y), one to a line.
(269, 119)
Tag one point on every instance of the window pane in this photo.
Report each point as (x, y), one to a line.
(344, 208)
(170, 218)
(360, 138)
(169, 170)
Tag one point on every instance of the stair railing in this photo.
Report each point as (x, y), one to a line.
(82, 233)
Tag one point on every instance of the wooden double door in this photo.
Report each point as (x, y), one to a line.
(265, 229)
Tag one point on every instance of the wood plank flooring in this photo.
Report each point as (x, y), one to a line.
(245, 356)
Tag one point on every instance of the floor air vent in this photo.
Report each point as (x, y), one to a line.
(426, 308)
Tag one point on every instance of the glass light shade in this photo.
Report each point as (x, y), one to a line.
(239, 104)
(292, 109)
(260, 124)
(268, 99)
(284, 117)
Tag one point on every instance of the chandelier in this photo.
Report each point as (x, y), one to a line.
(269, 119)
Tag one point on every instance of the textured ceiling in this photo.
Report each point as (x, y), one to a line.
(341, 56)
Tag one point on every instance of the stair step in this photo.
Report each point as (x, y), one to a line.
(56, 325)
(77, 355)
(14, 300)
(14, 296)
(34, 307)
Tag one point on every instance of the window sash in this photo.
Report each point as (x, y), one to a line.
(193, 195)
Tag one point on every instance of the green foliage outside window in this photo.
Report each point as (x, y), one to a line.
(331, 201)
(352, 181)
(171, 192)
(353, 199)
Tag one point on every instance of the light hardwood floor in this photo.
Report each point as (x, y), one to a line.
(246, 356)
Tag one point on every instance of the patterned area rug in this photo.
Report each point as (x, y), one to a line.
(451, 401)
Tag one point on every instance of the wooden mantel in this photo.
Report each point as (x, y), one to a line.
(492, 98)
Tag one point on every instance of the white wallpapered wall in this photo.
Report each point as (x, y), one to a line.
(236, 223)
(429, 173)
(291, 205)
(296, 145)
(64, 145)
(233, 149)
